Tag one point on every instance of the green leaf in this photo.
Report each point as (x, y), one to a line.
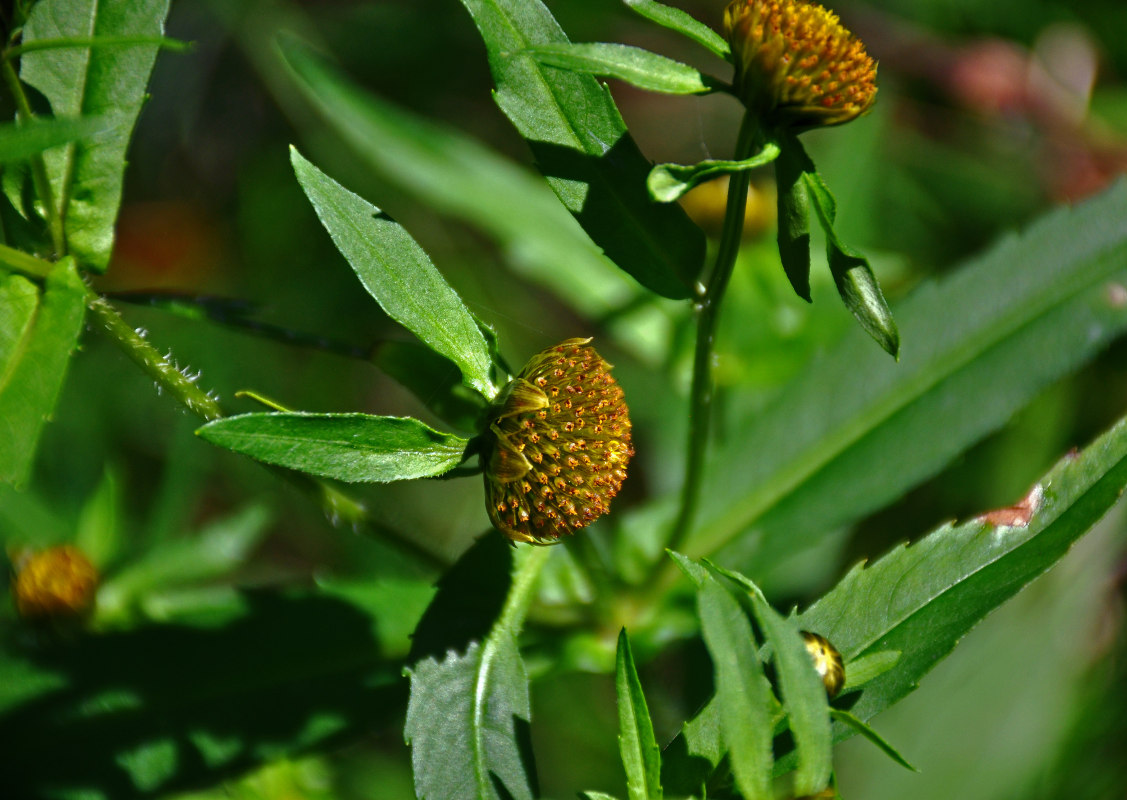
(398, 274)
(92, 81)
(668, 182)
(852, 274)
(33, 368)
(597, 796)
(98, 533)
(741, 689)
(433, 379)
(936, 590)
(861, 670)
(1030, 310)
(467, 719)
(793, 202)
(641, 757)
(19, 142)
(632, 65)
(581, 145)
(803, 695)
(694, 755)
(848, 719)
(454, 174)
(677, 20)
(348, 447)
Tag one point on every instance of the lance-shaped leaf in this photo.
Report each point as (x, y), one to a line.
(640, 755)
(632, 65)
(677, 20)
(921, 599)
(882, 744)
(668, 182)
(92, 81)
(348, 447)
(398, 274)
(581, 145)
(20, 142)
(1030, 310)
(467, 719)
(38, 331)
(793, 200)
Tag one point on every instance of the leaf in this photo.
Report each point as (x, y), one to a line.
(19, 142)
(861, 670)
(597, 796)
(632, 65)
(98, 533)
(455, 175)
(32, 371)
(433, 379)
(804, 698)
(852, 274)
(694, 754)
(874, 737)
(581, 145)
(640, 755)
(793, 202)
(677, 20)
(933, 592)
(92, 81)
(398, 274)
(668, 182)
(980, 343)
(741, 689)
(467, 719)
(348, 447)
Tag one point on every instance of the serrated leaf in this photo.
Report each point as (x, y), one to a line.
(860, 727)
(677, 20)
(932, 592)
(347, 447)
(668, 182)
(742, 691)
(398, 274)
(632, 65)
(803, 695)
(19, 142)
(581, 145)
(1033, 308)
(92, 81)
(32, 371)
(636, 743)
(467, 719)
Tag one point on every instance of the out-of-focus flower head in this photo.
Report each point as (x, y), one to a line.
(55, 583)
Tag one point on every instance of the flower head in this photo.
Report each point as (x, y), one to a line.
(54, 583)
(797, 65)
(559, 442)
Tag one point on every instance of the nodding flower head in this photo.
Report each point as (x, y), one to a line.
(55, 583)
(558, 445)
(796, 65)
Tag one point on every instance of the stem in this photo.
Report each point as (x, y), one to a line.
(707, 311)
(38, 166)
(24, 263)
(520, 593)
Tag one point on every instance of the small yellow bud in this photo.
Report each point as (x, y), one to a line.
(796, 65)
(54, 583)
(558, 445)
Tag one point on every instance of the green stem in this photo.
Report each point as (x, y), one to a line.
(39, 175)
(707, 311)
(24, 263)
(520, 593)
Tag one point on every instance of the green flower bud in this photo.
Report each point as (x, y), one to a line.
(557, 446)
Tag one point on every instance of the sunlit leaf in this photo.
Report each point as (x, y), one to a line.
(632, 65)
(677, 20)
(668, 182)
(640, 755)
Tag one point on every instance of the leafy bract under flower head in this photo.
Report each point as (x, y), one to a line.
(796, 64)
(559, 442)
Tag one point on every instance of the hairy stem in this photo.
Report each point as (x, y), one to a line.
(707, 311)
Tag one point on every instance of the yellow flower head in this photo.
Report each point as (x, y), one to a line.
(797, 65)
(54, 583)
(559, 442)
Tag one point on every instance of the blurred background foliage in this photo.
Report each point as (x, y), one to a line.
(988, 114)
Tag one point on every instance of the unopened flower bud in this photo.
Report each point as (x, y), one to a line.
(55, 583)
(558, 445)
(796, 65)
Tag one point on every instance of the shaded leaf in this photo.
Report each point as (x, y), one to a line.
(92, 81)
(398, 274)
(348, 447)
(636, 743)
(467, 719)
(848, 719)
(694, 755)
(32, 373)
(668, 182)
(433, 379)
(98, 532)
(632, 65)
(793, 202)
(581, 145)
(1030, 310)
(677, 20)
